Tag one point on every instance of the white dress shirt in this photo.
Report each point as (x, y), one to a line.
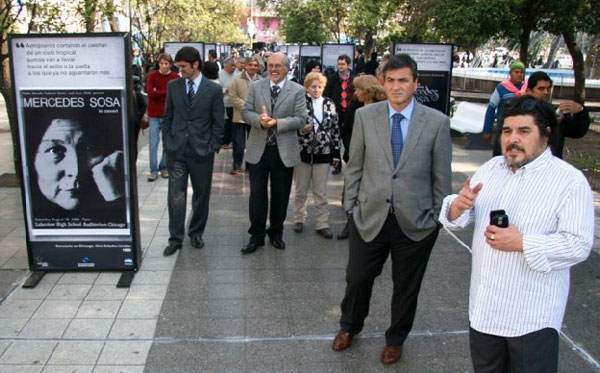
(550, 202)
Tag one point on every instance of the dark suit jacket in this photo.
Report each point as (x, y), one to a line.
(200, 124)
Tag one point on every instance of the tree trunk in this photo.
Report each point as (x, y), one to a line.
(524, 40)
(552, 54)
(7, 93)
(592, 59)
(369, 44)
(578, 66)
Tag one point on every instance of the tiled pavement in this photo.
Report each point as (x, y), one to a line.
(212, 310)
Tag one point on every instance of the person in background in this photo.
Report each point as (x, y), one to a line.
(359, 61)
(506, 90)
(320, 147)
(573, 117)
(192, 134)
(238, 91)
(275, 109)
(240, 64)
(340, 89)
(367, 90)
(372, 65)
(225, 78)
(156, 88)
(312, 66)
(210, 70)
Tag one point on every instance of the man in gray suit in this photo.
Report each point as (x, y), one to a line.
(275, 109)
(396, 178)
(192, 130)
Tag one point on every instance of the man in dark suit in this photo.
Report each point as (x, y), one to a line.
(192, 130)
(396, 180)
(275, 109)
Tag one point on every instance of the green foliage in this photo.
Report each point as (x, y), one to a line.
(304, 26)
(187, 20)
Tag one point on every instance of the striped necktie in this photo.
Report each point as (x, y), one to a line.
(191, 92)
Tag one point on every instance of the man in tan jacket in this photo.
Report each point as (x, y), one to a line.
(238, 91)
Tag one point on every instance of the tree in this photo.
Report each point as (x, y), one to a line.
(566, 18)
(304, 26)
(185, 20)
(367, 18)
(44, 16)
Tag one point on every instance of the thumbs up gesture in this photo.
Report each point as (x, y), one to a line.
(465, 200)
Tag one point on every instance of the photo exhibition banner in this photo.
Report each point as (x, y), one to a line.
(78, 173)
(434, 62)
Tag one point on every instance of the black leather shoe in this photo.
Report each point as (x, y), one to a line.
(277, 243)
(171, 248)
(336, 171)
(251, 247)
(344, 233)
(197, 242)
(325, 232)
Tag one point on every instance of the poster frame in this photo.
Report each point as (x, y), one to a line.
(450, 48)
(131, 150)
(193, 44)
(325, 52)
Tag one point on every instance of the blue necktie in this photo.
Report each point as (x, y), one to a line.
(396, 137)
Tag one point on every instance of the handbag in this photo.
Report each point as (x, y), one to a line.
(145, 121)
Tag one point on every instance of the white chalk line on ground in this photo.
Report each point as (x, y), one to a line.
(574, 346)
(241, 339)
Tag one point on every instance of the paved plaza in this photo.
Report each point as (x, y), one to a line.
(214, 310)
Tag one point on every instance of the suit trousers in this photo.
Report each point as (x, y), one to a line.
(238, 140)
(270, 165)
(365, 263)
(199, 169)
(536, 352)
(227, 129)
(316, 174)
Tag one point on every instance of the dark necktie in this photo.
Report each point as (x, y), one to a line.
(396, 137)
(191, 92)
(271, 137)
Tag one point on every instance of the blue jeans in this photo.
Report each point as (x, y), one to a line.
(238, 137)
(154, 140)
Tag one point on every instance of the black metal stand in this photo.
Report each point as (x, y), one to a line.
(125, 279)
(33, 279)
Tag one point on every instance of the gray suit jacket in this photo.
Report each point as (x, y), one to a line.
(202, 123)
(418, 184)
(290, 112)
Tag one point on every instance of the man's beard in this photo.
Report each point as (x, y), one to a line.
(513, 163)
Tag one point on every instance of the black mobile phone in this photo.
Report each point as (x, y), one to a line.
(499, 218)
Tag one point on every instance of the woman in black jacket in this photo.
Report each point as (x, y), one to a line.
(320, 147)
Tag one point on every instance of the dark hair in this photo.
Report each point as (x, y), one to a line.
(211, 70)
(359, 50)
(542, 112)
(401, 61)
(311, 65)
(345, 58)
(373, 56)
(537, 77)
(212, 53)
(189, 55)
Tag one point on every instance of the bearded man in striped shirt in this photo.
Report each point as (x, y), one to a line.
(520, 273)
